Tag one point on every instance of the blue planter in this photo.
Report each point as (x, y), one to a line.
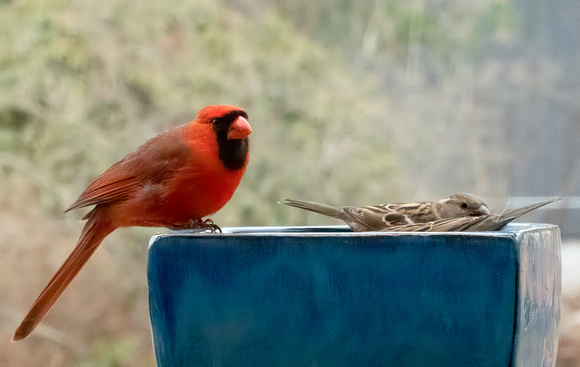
(324, 296)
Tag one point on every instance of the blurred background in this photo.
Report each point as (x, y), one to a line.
(351, 103)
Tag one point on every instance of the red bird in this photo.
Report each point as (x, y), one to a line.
(173, 180)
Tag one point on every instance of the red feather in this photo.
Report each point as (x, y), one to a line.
(174, 179)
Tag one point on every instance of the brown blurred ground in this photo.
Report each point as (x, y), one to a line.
(101, 320)
(569, 347)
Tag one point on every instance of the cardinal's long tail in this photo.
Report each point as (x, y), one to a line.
(323, 209)
(97, 227)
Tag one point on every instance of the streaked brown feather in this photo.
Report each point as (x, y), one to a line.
(490, 222)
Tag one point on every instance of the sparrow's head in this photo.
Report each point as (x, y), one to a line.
(231, 128)
(461, 205)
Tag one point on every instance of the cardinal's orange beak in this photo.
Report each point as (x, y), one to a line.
(239, 129)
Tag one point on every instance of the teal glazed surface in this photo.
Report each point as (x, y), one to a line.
(324, 296)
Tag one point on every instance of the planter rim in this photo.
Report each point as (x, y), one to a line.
(511, 230)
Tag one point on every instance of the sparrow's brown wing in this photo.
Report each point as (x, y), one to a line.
(379, 217)
(369, 219)
(419, 212)
(442, 225)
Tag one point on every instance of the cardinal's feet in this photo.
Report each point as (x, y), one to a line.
(207, 225)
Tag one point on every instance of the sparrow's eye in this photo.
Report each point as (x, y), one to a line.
(463, 205)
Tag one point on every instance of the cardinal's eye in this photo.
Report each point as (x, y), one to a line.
(463, 205)
(214, 121)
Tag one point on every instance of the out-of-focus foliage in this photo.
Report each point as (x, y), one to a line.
(351, 102)
(84, 84)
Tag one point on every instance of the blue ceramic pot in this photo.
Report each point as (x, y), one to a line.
(325, 296)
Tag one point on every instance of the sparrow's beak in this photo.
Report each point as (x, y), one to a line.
(239, 129)
(482, 210)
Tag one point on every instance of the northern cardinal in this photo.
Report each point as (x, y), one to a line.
(174, 180)
(489, 222)
(377, 217)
